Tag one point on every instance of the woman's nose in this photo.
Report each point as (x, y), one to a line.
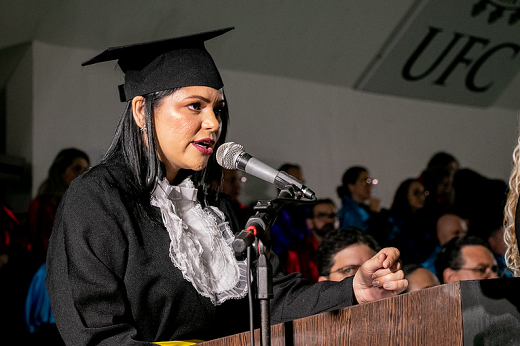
(211, 122)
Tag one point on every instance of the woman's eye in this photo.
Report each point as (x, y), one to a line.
(195, 106)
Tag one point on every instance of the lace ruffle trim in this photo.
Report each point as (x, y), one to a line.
(200, 243)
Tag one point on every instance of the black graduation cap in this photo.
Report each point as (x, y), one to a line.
(164, 64)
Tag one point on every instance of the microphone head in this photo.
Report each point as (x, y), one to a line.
(228, 153)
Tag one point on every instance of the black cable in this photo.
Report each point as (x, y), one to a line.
(249, 293)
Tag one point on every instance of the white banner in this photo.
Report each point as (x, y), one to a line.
(463, 51)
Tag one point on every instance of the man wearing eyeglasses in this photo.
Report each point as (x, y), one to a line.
(466, 258)
(321, 220)
(342, 252)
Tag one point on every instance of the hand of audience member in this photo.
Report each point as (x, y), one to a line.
(379, 277)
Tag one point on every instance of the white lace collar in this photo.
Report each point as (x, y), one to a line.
(200, 242)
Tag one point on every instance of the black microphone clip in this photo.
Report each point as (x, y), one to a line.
(256, 226)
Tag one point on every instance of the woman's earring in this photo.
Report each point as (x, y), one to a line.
(143, 128)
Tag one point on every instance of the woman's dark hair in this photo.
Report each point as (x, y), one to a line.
(441, 159)
(400, 206)
(338, 239)
(350, 176)
(480, 200)
(433, 177)
(141, 158)
(54, 186)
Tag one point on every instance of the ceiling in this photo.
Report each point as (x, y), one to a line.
(326, 41)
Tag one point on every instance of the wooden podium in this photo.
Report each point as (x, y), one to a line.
(477, 312)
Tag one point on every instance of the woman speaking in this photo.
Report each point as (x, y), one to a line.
(141, 253)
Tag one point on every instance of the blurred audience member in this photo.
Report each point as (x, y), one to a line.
(438, 181)
(10, 227)
(443, 159)
(409, 232)
(321, 220)
(231, 185)
(38, 313)
(342, 252)
(289, 232)
(449, 226)
(68, 164)
(466, 258)
(294, 170)
(418, 277)
(15, 275)
(498, 247)
(358, 207)
(480, 200)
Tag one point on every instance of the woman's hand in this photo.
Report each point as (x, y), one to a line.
(379, 277)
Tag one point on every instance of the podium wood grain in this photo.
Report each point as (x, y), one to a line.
(431, 316)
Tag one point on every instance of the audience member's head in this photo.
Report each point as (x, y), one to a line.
(294, 170)
(479, 200)
(357, 184)
(409, 198)
(450, 226)
(323, 218)
(342, 252)
(466, 258)
(68, 164)
(231, 183)
(418, 277)
(496, 241)
(442, 159)
(438, 181)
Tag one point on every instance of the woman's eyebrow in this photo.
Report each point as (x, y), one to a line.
(204, 99)
(198, 97)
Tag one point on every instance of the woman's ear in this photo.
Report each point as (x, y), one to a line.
(138, 112)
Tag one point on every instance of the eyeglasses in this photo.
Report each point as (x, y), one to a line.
(371, 181)
(347, 270)
(483, 271)
(325, 215)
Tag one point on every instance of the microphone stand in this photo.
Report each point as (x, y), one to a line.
(257, 232)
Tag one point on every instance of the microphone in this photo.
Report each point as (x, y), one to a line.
(231, 155)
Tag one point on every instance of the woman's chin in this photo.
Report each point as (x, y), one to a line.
(198, 166)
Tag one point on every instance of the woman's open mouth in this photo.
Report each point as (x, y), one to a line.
(205, 146)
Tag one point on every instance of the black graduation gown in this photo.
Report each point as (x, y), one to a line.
(111, 280)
